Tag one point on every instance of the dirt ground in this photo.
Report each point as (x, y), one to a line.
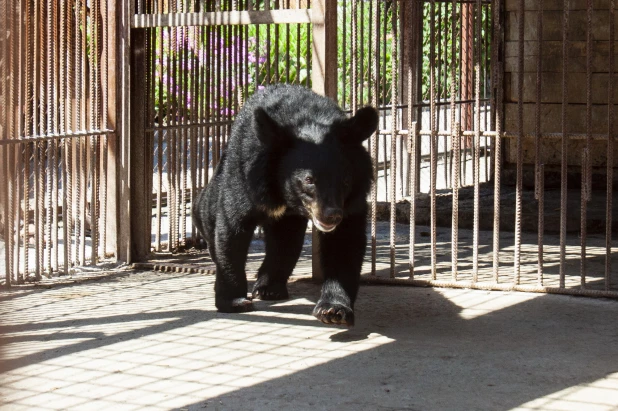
(154, 341)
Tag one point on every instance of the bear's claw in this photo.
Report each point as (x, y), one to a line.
(334, 314)
(271, 292)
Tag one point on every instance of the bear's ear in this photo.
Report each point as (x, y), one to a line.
(360, 127)
(268, 131)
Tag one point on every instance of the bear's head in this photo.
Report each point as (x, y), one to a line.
(322, 169)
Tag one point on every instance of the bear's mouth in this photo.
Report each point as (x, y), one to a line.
(323, 227)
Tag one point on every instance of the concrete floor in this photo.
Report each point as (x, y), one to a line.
(148, 340)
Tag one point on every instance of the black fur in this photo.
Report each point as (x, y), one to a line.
(292, 155)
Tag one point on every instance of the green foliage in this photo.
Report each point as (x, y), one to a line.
(258, 55)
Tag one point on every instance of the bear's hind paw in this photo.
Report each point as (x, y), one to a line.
(330, 313)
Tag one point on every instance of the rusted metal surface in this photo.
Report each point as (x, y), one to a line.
(54, 138)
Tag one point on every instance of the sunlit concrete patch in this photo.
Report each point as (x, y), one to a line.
(474, 304)
(599, 395)
(152, 342)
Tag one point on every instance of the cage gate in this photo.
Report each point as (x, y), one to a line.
(467, 190)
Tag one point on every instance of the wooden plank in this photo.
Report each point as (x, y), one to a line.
(299, 16)
(140, 180)
(324, 80)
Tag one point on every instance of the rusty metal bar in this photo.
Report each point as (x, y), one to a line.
(520, 130)
(375, 137)
(393, 159)
(182, 141)
(411, 73)
(354, 56)
(564, 145)
(455, 187)
(585, 167)
(477, 149)
(539, 168)
(413, 182)
(610, 149)
(433, 141)
(6, 189)
(497, 140)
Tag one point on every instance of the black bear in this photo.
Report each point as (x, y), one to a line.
(293, 155)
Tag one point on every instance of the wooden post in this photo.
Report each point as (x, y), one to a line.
(140, 156)
(324, 81)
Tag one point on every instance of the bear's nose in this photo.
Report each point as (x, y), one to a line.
(332, 216)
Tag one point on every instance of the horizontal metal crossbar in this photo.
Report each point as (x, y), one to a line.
(219, 18)
(56, 136)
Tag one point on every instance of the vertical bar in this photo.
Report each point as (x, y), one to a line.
(82, 142)
(50, 114)
(412, 139)
(354, 56)
(564, 145)
(196, 81)
(38, 176)
(610, 148)
(160, 133)
(384, 91)
(5, 166)
(586, 168)
(487, 42)
(456, 152)
(19, 112)
(108, 12)
(183, 152)
(497, 72)
(6, 189)
(456, 143)
(540, 177)
(584, 195)
(67, 202)
(520, 132)
(141, 158)
(477, 147)
(411, 29)
(92, 84)
(393, 162)
(58, 80)
(433, 126)
(172, 195)
(375, 63)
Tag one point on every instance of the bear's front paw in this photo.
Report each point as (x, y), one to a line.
(271, 292)
(330, 313)
(237, 305)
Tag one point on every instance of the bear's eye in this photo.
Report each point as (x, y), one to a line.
(309, 180)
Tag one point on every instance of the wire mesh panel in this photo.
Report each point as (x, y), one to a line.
(55, 140)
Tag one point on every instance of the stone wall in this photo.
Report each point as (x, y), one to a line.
(552, 66)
